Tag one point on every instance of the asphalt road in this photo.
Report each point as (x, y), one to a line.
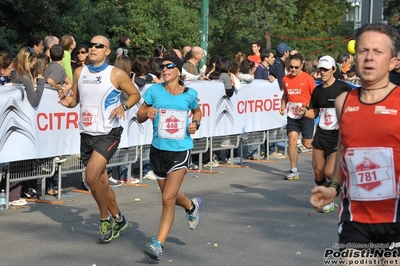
(250, 216)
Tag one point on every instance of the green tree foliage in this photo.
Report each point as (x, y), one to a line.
(309, 26)
(299, 23)
(391, 12)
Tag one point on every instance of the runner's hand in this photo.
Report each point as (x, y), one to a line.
(151, 112)
(300, 110)
(322, 196)
(65, 101)
(192, 128)
(118, 112)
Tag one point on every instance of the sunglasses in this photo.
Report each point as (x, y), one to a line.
(97, 45)
(295, 67)
(168, 66)
(81, 52)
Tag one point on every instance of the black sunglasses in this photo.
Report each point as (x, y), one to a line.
(97, 45)
(81, 52)
(168, 66)
(295, 67)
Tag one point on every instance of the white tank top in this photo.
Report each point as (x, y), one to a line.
(97, 97)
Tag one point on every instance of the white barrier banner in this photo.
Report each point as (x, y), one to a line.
(52, 130)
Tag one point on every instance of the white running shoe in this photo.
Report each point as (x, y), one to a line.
(18, 203)
(329, 208)
(150, 175)
(211, 163)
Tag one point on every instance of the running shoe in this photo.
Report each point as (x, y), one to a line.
(226, 143)
(236, 160)
(292, 176)
(114, 182)
(211, 164)
(119, 227)
(328, 208)
(18, 203)
(194, 218)
(84, 184)
(106, 231)
(31, 193)
(154, 250)
(150, 175)
(277, 155)
(193, 166)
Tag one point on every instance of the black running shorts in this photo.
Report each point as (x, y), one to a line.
(106, 145)
(326, 143)
(304, 125)
(164, 162)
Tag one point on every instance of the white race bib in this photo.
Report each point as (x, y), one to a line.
(172, 124)
(89, 118)
(371, 173)
(328, 120)
(291, 110)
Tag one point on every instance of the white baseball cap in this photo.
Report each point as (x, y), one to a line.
(326, 62)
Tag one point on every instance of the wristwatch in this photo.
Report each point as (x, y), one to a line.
(197, 123)
(125, 106)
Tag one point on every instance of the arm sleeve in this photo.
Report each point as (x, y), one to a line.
(58, 75)
(189, 76)
(34, 96)
(313, 101)
(148, 78)
(274, 71)
(139, 81)
(258, 74)
(238, 85)
(226, 79)
(119, 51)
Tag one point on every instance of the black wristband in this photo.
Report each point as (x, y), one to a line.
(197, 124)
(336, 186)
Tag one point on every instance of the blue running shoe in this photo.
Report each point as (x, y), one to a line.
(154, 250)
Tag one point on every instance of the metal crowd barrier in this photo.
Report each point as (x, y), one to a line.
(45, 168)
(73, 164)
(255, 138)
(276, 135)
(201, 146)
(220, 143)
(29, 170)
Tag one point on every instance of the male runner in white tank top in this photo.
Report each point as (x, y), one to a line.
(97, 89)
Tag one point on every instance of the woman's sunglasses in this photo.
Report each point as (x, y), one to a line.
(97, 45)
(81, 52)
(168, 66)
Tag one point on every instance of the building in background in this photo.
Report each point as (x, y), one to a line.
(365, 11)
